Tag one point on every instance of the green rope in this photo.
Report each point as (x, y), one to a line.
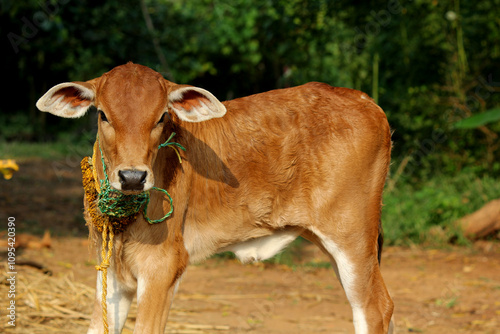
(168, 143)
(114, 203)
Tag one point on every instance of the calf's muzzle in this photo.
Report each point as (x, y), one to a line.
(132, 179)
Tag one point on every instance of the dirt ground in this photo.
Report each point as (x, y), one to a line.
(456, 290)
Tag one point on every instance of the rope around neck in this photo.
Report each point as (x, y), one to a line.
(117, 210)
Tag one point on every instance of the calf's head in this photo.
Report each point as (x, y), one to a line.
(132, 101)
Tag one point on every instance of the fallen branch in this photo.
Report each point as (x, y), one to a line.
(482, 223)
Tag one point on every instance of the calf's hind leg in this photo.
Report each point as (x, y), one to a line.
(356, 263)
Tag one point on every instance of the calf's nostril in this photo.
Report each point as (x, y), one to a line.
(143, 177)
(122, 177)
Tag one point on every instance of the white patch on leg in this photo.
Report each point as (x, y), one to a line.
(262, 248)
(359, 320)
(141, 288)
(176, 287)
(347, 276)
(117, 299)
(392, 326)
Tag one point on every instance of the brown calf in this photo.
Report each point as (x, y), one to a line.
(306, 161)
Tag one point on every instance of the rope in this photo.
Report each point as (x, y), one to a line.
(103, 267)
(117, 210)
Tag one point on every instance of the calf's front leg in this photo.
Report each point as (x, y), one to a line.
(119, 297)
(157, 283)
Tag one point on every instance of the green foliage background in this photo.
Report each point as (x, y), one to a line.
(428, 63)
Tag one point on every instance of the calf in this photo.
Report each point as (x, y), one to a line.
(307, 161)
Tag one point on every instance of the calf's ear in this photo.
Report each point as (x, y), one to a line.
(193, 104)
(69, 99)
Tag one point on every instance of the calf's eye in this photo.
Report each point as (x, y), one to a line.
(161, 119)
(102, 115)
